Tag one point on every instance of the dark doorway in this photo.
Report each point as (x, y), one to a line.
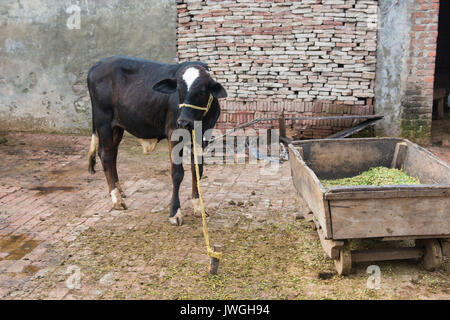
(441, 119)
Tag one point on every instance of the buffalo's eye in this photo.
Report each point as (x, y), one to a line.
(201, 93)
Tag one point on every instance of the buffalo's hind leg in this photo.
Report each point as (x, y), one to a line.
(117, 138)
(109, 140)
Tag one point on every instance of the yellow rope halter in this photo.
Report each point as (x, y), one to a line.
(206, 109)
(210, 252)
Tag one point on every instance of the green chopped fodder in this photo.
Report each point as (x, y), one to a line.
(379, 176)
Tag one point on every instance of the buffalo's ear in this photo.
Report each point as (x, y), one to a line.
(167, 86)
(218, 91)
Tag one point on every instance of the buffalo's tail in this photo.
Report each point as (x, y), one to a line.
(94, 138)
(92, 152)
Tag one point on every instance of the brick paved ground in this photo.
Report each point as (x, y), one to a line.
(59, 239)
(47, 198)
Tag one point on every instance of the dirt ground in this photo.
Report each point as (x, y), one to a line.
(59, 239)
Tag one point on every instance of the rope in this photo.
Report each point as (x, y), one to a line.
(211, 253)
(206, 109)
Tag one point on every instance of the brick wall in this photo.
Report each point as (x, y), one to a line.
(307, 57)
(418, 100)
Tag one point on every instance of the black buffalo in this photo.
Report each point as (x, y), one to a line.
(149, 100)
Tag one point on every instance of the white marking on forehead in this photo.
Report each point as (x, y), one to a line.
(190, 75)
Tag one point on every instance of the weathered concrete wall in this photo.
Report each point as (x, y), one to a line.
(392, 52)
(45, 57)
(406, 52)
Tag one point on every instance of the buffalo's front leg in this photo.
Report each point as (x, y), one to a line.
(177, 172)
(195, 194)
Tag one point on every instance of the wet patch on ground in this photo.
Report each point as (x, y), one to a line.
(15, 247)
(50, 189)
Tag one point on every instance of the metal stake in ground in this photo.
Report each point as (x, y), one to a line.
(215, 254)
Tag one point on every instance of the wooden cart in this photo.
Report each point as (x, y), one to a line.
(388, 213)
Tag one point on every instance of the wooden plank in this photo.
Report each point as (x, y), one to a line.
(413, 238)
(254, 121)
(340, 158)
(425, 166)
(343, 118)
(374, 218)
(386, 192)
(285, 140)
(386, 254)
(331, 247)
(351, 131)
(399, 155)
(309, 187)
(298, 143)
(300, 152)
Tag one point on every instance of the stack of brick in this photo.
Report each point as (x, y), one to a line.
(307, 57)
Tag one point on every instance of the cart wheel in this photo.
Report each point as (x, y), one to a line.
(343, 265)
(432, 258)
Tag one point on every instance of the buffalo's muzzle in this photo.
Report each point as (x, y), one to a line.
(185, 124)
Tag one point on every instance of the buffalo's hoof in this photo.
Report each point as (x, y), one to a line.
(177, 219)
(119, 187)
(118, 203)
(120, 206)
(199, 214)
(197, 208)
